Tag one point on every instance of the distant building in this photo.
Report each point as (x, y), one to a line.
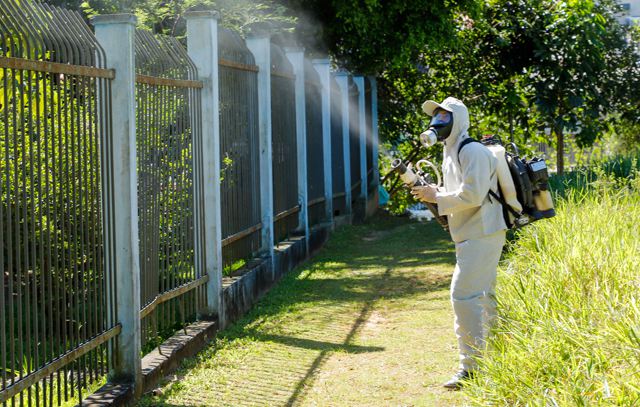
(630, 12)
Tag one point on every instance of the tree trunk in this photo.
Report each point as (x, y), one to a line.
(558, 130)
(511, 137)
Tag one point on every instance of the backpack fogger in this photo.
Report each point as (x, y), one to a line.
(522, 184)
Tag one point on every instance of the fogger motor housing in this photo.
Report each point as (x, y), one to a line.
(528, 179)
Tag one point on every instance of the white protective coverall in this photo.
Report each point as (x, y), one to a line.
(477, 227)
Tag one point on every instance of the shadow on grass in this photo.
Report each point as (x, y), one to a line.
(311, 344)
(362, 264)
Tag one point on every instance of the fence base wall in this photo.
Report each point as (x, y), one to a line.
(239, 296)
(240, 293)
(372, 202)
(342, 220)
(168, 356)
(318, 236)
(157, 364)
(359, 208)
(110, 395)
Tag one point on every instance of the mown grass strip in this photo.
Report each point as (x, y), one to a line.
(366, 322)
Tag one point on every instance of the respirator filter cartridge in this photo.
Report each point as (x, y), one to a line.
(429, 138)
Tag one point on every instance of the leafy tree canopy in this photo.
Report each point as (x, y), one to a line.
(524, 66)
(163, 16)
(372, 36)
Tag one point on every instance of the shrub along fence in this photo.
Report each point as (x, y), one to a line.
(133, 172)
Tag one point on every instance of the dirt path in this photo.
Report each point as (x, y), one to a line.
(365, 323)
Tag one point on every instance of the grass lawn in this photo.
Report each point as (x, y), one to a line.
(367, 322)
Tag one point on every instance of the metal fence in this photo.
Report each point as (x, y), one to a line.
(171, 255)
(337, 156)
(315, 153)
(58, 296)
(240, 186)
(283, 133)
(354, 140)
(368, 130)
(56, 290)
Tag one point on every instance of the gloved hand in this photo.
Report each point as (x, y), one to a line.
(426, 193)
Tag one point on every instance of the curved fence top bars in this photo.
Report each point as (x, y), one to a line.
(280, 64)
(311, 76)
(44, 33)
(233, 48)
(162, 56)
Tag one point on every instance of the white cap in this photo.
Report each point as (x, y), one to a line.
(430, 105)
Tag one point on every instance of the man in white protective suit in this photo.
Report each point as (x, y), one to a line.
(476, 225)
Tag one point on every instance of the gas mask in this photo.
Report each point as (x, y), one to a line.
(439, 128)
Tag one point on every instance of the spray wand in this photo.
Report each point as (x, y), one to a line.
(421, 178)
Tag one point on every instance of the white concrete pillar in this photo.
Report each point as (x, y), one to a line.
(116, 33)
(362, 136)
(374, 129)
(343, 82)
(260, 46)
(202, 45)
(322, 66)
(295, 56)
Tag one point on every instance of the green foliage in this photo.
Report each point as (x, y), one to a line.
(567, 332)
(522, 66)
(165, 17)
(623, 135)
(49, 160)
(229, 269)
(621, 168)
(373, 36)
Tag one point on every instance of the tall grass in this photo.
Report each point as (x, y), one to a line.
(569, 304)
(582, 179)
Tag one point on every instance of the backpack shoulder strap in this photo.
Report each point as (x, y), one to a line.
(464, 143)
(505, 204)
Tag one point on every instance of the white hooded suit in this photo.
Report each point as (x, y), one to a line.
(477, 227)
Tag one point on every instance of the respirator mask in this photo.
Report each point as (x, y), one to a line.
(439, 128)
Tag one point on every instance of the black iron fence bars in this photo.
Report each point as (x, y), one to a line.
(354, 141)
(57, 315)
(315, 153)
(283, 133)
(337, 148)
(103, 175)
(369, 131)
(168, 127)
(239, 155)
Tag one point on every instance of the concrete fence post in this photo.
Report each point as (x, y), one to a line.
(202, 45)
(259, 44)
(322, 66)
(295, 56)
(116, 34)
(343, 82)
(362, 137)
